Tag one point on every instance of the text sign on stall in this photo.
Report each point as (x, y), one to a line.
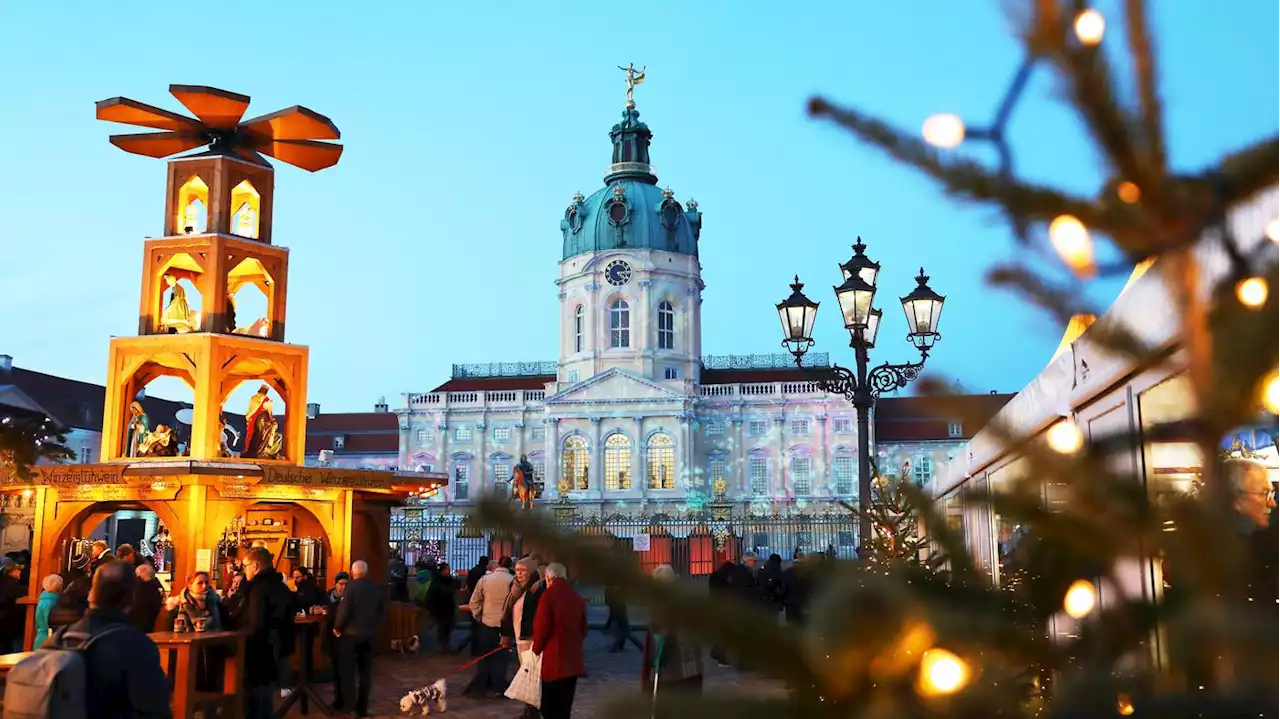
(640, 542)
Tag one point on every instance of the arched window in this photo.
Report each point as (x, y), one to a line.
(662, 461)
(617, 462)
(575, 461)
(579, 327)
(666, 326)
(619, 324)
(193, 207)
(247, 203)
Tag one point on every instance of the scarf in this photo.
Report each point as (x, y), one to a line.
(516, 591)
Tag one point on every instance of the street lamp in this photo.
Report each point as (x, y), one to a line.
(862, 386)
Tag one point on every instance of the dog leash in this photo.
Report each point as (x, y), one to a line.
(475, 661)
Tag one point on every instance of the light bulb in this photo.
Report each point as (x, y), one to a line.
(1273, 230)
(1252, 292)
(1128, 192)
(26, 493)
(943, 130)
(1090, 26)
(1080, 599)
(1124, 707)
(1065, 437)
(941, 672)
(1071, 240)
(1271, 392)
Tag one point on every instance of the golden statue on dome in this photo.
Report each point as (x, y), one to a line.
(634, 78)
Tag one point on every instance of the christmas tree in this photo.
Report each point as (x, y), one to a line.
(910, 643)
(895, 523)
(27, 440)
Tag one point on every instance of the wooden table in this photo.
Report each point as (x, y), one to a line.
(178, 657)
(8, 661)
(308, 627)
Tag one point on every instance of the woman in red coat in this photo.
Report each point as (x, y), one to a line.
(559, 629)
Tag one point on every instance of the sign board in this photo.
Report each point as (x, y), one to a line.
(81, 474)
(204, 560)
(325, 477)
(640, 542)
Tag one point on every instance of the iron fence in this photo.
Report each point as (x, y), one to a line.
(693, 547)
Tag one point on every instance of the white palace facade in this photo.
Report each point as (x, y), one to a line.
(631, 417)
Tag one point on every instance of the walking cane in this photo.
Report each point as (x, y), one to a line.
(654, 712)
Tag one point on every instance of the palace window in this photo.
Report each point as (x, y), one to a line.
(571, 376)
(424, 436)
(501, 473)
(670, 373)
(801, 481)
(501, 434)
(575, 460)
(619, 324)
(955, 430)
(666, 327)
(617, 462)
(843, 425)
(717, 471)
(462, 433)
(662, 461)
(715, 428)
(461, 478)
(922, 469)
(537, 434)
(86, 454)
(579, 328)
(844, 474)
(539, 471)
(758, 428)
(758, 470)
(800, 428)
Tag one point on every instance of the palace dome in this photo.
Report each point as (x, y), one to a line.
(630, 211)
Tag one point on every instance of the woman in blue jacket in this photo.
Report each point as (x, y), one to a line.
(52, 586)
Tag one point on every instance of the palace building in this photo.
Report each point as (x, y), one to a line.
(632, 417)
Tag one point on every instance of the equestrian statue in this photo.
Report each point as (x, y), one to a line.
(524, 488)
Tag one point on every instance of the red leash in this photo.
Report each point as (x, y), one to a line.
(475, 661)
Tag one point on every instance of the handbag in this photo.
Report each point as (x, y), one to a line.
(527, 685)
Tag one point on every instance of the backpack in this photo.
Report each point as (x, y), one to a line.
(51, 683)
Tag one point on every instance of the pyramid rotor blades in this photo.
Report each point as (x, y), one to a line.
(131, 112)
(219, 109)
(293, 123)
(288, 135)
(159, 144)
(306, 154)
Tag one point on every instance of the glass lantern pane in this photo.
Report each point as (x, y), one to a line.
(810, 314)
(868, 274)
(873, 326)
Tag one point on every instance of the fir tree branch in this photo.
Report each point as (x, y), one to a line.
(1142, 53)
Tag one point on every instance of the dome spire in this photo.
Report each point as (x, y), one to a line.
(631, 138)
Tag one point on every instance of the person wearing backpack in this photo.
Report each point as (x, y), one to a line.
(100, 667)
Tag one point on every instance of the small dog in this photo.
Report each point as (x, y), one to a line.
(422, 698)
(408, 645)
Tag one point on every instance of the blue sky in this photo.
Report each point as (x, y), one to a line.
(467, 129)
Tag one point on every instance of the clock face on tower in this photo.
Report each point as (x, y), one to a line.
(618, 273)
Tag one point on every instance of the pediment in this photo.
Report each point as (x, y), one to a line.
(615, 386)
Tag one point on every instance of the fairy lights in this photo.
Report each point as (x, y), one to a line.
(1090, 27)
(1252, 292)
(1071, 240)
(1080, 599)
(1271, 392)
(944, 130)
(1065, 437)
(941, 672)
(1128, 193)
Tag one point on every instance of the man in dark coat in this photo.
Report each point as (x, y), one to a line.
(148, 599)
(356, 624)
(11, 613)
(123, 677)
(99, 554)
(268, 620)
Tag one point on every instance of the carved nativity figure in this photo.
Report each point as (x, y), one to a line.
(162, 442)
(177, 313)
(262, 438)
(138, 429)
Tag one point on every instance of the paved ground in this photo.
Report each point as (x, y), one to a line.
(609, 674)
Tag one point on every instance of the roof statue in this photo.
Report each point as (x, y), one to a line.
(633, 78)
(290, 135)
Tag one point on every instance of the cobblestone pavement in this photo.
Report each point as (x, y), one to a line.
(608, 674)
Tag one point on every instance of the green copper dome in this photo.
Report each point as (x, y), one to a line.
(630, 211)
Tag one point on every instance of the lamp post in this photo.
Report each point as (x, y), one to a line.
(862, 386)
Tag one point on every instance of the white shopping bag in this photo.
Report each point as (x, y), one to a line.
(527, 685)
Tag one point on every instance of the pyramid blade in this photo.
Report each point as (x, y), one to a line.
(308, 155)
(159, 144)
(132, 112)
(293, 123)
(219, 109)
